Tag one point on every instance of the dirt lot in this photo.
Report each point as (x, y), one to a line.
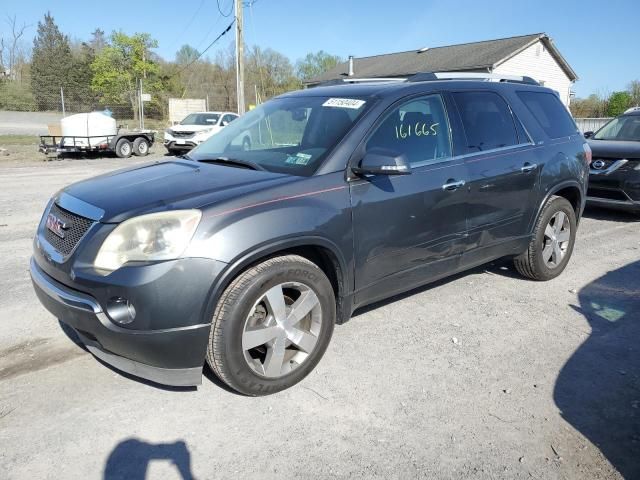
(485, 375)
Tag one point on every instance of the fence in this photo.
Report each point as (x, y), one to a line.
(590, 124)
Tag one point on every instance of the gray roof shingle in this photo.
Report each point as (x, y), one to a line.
(466, 56)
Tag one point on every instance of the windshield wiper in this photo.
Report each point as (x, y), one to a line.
(232, 162)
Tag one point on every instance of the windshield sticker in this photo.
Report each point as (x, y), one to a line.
(298, 159)
(344, 103)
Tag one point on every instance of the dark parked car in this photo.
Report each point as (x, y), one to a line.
(348, 195)
(614, 180)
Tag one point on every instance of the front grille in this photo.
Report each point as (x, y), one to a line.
(75, 228)
(183, 134)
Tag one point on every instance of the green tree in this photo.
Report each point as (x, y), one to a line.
(618, 103)
(186, 55)
(51, 64)
(79, 96)
(120, 65)
(98, 40)
(314, 64)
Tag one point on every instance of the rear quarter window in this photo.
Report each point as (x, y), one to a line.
(550, 113)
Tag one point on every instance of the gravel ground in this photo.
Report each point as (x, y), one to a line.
(484, 375)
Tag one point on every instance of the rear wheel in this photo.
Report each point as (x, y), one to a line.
(272, 325)
(123, 148)
(140, 147)
(552, 243)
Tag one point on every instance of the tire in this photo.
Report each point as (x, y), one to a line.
(258, 370)
(140, 147)
(542, 261)
(123, 148)
(246, 144)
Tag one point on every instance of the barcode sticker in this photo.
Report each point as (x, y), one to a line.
(344, 103)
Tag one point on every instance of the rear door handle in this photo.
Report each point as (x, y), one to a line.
(528, 167)
(452, 185)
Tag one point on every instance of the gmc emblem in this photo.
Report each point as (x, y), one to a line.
(56, 225)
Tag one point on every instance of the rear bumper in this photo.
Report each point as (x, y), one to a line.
(171, 356)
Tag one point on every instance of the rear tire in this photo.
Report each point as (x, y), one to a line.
(552, 243)
(123, 148)
(272, 325)
(140, 147)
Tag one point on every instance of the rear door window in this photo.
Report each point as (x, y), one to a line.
(550, 113)
(487, 121)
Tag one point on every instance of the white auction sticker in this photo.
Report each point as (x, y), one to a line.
(344, 103)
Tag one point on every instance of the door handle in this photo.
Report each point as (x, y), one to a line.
(452, 185)
(528, 167)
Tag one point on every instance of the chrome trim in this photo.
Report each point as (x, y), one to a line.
(76, 300)
(612, 168)
(453, 185)
(79, 207)
(493, 150)
(176, 377)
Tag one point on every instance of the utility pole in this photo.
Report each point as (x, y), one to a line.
(239, 57)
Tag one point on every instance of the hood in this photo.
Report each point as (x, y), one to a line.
(615, 149)
(167, 185)
(190, 128)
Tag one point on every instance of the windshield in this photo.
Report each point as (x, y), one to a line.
(286, 135)
(625, 128)
(200, 119)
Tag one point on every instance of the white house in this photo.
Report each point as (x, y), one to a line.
(532, 55)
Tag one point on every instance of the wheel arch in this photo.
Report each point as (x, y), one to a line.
(322, 252)
(570, 190)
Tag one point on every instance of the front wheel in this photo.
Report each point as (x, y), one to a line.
(272, 325)
(552, 243)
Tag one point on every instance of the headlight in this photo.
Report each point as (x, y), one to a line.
(168, 131)
(157, 236)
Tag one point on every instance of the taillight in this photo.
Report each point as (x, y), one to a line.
(588, 156)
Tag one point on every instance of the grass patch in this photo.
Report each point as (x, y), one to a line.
(19, 140)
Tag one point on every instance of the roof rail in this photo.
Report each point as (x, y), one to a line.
(342, 81)
(486, 77)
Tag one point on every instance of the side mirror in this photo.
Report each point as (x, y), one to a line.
(380, 161)
(588, 134)
(224, 123)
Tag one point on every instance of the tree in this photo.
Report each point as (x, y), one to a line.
(634, 91)
(98, 40)
(594, 106)
(78, 95)
(51, 63)
(12, 56)
(120, 65)
(314, 64)
(618, 103)
(186, 55)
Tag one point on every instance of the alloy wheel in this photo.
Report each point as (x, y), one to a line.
(282, 329)
(557, 235)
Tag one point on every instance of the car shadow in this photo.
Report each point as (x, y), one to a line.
(598, 389)
(130, 459)
(599, 213)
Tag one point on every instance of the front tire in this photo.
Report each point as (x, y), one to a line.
(272, 325)
(123, 148)
(552, 244)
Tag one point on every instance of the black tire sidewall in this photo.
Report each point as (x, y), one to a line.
(136, 147)
(237, 370)
(556, 205)
(119, 145)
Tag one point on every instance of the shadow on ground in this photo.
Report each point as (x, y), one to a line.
(598, 389)
(131, 458)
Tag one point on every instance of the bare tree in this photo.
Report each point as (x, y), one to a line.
(11, 52)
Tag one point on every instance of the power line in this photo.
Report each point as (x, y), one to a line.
(221, 12)
(224, 32)
(190, 21)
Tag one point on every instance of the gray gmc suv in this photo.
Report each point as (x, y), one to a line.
(348, 194)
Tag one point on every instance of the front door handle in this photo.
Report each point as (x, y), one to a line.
(452, 185)
(528, 167)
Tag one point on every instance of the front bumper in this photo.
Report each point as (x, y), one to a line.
(617, 186)
(173, 356)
